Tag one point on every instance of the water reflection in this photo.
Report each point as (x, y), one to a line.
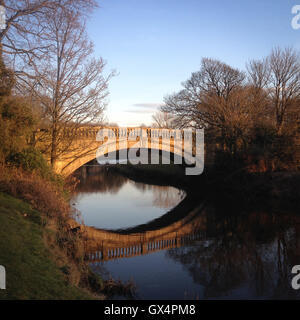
(244, 257)
(109, 200)
(164, 197)
(195, 251)
(236, 257)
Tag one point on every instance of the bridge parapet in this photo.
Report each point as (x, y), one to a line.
(83, 132)
(87, 143)
(106, 253)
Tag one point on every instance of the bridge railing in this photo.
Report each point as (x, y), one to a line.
(122, 251)
(125, 132)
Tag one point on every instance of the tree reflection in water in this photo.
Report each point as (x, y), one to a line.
(95, 179)
(240, 255)
(107, 199)
(247, 255)
(163, 196)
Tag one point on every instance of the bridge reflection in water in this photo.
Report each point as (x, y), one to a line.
(252, 254)
(104, 245)
(138, 249)
(216, 250)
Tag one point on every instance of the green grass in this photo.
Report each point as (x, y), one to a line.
(30, 272)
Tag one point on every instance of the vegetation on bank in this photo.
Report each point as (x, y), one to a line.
(42, 220)
(31, 264)
(36, 235)
(26, 175)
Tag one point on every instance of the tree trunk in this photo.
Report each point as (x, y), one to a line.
(53, 156)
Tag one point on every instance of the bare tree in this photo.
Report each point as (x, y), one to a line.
(26, 20)
(68, 83)
(205, 99)
(259, 76)
(163, 119)
(259, 73)
(285, 81)
(277, 78)
(219, 98)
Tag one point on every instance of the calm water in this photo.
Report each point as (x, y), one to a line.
(110, 201)
(217, 252)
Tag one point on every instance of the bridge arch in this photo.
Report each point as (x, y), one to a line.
(75, 164)
(96, 149)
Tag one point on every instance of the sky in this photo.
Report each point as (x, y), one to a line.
(155, 45)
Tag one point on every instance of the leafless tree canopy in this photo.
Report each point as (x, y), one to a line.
(69, 83)
(258, 73)
(46, 45)
(23, 38)
(284, 81)
(163, 119)
(219, 95)
(206, 97)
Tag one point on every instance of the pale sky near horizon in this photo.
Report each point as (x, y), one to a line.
(155, 45)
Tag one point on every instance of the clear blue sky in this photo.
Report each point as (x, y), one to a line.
(156, 44)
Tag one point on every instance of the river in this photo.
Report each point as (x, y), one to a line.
(206, 251)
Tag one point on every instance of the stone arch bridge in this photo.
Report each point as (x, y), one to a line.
(89, 143)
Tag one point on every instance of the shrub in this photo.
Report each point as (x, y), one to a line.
(43, 195)
(270, 151)
(46, 198)
(16, 124)
(263, 149)
(32, 160)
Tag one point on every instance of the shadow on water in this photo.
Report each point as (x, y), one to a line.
(204, 249)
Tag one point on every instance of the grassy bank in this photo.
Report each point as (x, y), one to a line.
(30, 265)
(37, 220)
(43, 254)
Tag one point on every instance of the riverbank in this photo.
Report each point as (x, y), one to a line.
(276, 191)
(35, 217)
(34, 270)
(242, 189)
(44, 257)
(164, 175)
